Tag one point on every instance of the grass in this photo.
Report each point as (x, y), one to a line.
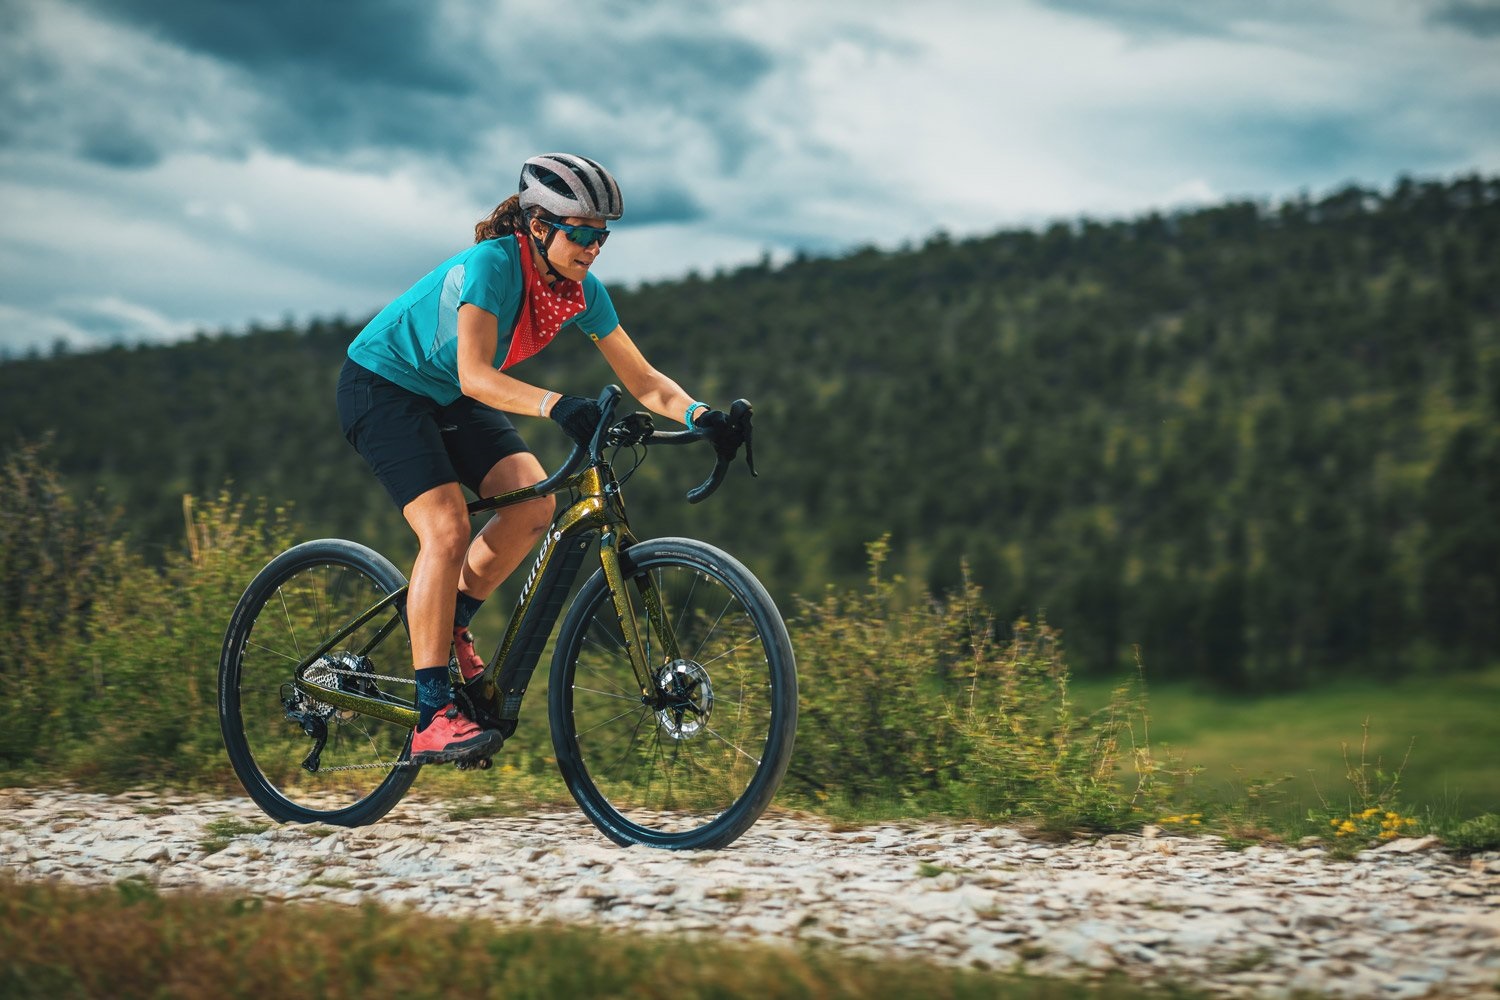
(221, 831)
(128, 941)
(1445, 728)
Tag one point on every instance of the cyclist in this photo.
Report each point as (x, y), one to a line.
(424, 393)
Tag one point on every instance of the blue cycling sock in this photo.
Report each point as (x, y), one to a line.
(464, 610)
(434, 691)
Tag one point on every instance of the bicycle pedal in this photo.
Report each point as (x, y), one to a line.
(477, 764)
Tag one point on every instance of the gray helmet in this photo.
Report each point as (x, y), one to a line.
(564, 185)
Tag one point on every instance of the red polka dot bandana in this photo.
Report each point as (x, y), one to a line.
(544, 308)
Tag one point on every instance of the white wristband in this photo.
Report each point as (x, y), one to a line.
(541, 408)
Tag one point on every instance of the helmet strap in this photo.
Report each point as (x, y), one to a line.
(543, 247)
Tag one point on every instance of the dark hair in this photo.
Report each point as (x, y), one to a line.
(508, 217)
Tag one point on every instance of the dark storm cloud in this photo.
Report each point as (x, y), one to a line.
(387, 41)
(334, 80)
(1474, 18)
(114, 145)
(331, 78)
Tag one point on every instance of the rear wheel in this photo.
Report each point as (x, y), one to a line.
(693, 760)
(300, 759)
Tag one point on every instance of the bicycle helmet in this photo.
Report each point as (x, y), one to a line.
(563, 184)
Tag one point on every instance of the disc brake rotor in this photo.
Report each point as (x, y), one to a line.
(687, 699)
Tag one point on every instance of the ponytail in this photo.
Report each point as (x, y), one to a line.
(507, 218)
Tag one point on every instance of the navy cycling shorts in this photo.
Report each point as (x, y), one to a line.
(415, 443)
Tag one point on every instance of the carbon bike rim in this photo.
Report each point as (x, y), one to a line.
(283, 727)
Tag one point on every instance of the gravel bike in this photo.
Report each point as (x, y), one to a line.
(672, 695)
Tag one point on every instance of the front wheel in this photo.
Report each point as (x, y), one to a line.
(690, 759)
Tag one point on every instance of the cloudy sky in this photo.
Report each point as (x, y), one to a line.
(168, 166)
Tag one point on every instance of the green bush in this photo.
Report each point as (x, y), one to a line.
(56, 561)
(157, 637)
(1031, 752)
(113, 659)
(874, 722)
(1482, 833)
(920, 703)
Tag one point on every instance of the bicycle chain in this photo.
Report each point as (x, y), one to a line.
(374, 677)
(390, 766)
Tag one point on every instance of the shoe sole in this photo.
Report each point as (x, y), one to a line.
(482, 745)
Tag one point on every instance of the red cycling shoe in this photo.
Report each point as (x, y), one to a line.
(451, 736)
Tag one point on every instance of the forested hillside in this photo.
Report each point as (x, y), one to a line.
(1261, 441)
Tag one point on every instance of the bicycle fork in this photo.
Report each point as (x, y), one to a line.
(619, 575)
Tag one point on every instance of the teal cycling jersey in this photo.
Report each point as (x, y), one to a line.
(414, 340)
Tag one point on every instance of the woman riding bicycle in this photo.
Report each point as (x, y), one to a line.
(424, 393)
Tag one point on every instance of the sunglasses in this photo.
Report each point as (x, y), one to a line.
(584, 236)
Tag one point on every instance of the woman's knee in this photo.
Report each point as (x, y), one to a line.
(445, 538)
(441, 523)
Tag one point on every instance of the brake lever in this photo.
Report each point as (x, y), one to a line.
(740, 412)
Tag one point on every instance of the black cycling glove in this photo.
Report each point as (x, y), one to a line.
(578, 417)
(723, 432)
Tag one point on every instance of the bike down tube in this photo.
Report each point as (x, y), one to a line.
(545, 588)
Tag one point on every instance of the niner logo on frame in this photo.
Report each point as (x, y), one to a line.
(536, 567)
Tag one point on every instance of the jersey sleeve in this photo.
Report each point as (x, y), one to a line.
(488, 275)
(598, 318)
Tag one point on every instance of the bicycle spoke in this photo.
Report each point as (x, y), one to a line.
(274, 652)
(287, 615)
(687, 602)
(607, 694)
(584, 732)
(732, 649)
(715, 734)
(715, 625)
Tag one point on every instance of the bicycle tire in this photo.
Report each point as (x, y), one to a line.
(675, 777)
(299, 599)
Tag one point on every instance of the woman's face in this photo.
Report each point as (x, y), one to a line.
(571, 260)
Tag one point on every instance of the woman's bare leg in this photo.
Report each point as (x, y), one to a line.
(511, 534)
(441, 523)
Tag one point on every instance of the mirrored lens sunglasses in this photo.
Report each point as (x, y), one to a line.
(584, 236)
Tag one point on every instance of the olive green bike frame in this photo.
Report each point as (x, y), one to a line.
(596, 510)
